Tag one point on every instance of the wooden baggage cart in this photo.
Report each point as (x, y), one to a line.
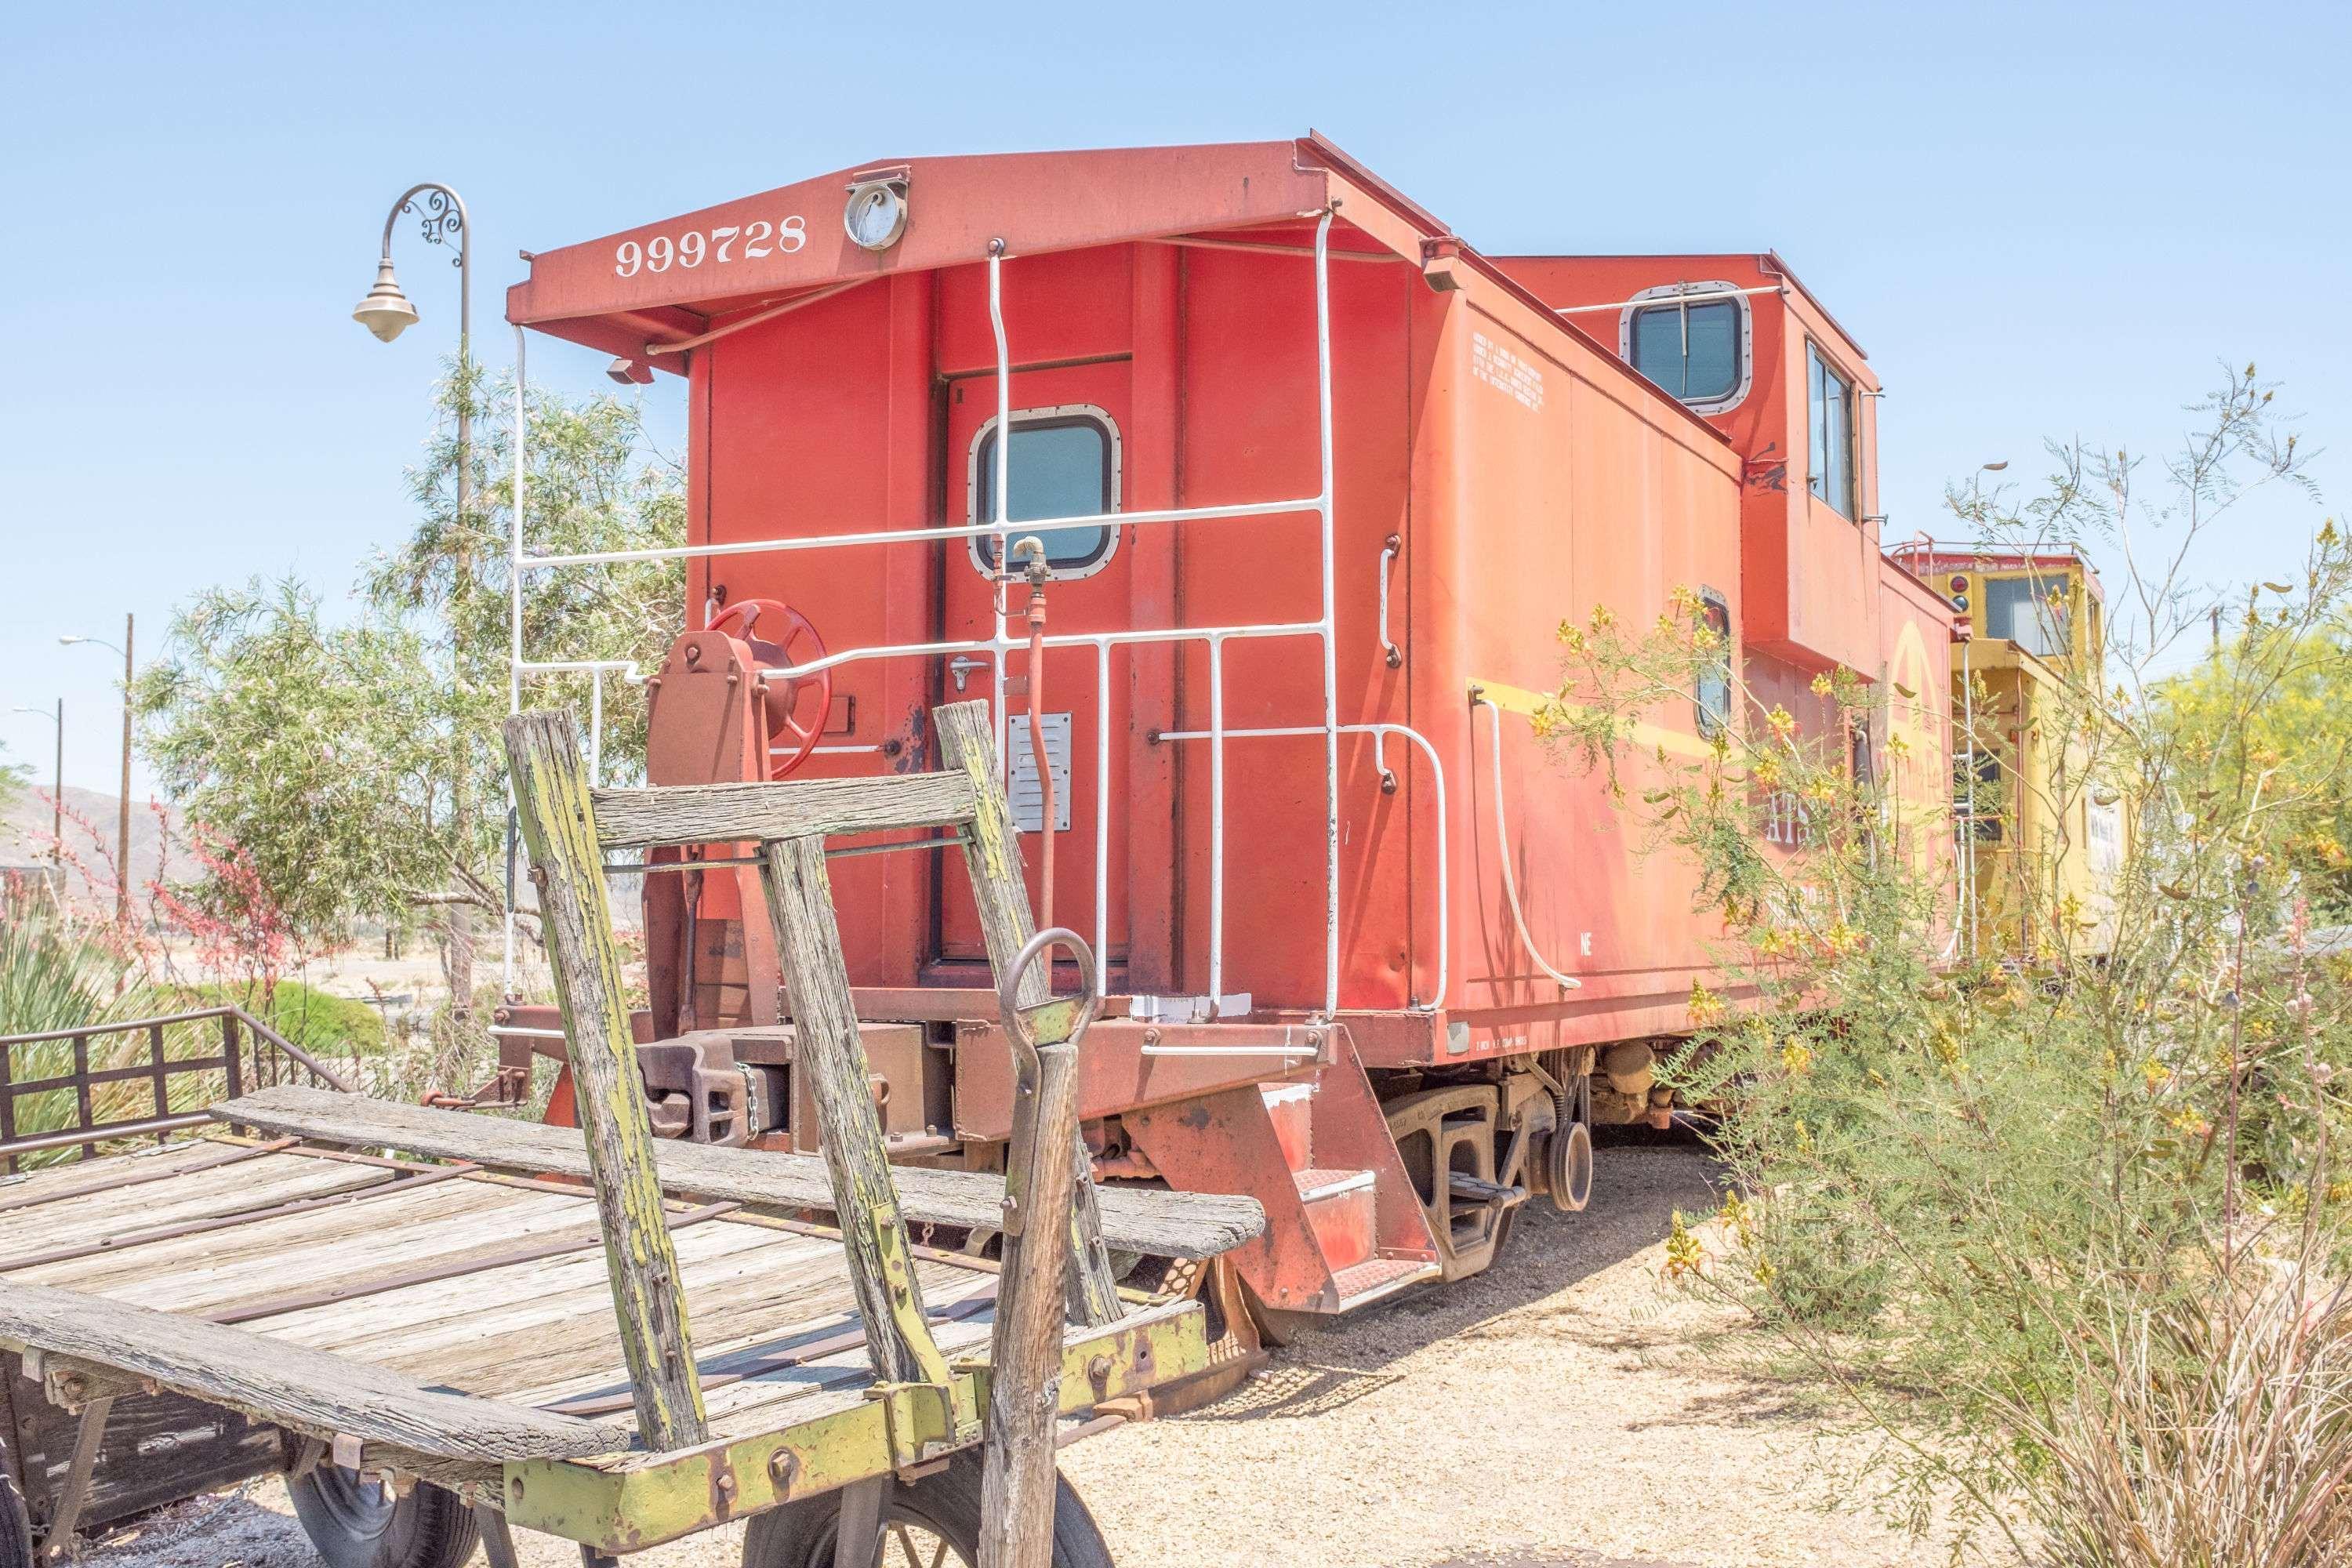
(660, 1337)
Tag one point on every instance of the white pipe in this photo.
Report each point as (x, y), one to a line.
(1216, 821)
(1503, 851)
(1436, 772)
(1286, 1053)
(924, 535)
(1969, 820)
(1063, 639)
(1389, 649)
(627, 666)
(1667, 299)
(1003, 561)
(514, 650)
(1330, 621)
(1102, 803)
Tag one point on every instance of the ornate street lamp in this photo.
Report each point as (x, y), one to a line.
(387, 312)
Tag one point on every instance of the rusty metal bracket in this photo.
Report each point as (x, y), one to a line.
(927, 1421)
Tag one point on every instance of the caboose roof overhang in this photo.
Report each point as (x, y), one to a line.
(608, 294)
(789, 241)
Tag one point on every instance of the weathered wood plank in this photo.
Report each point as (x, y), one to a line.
(992, 858)
(550, 791)
(710, 814)
(1166, 1224)
(201, 1198)
(200, 1273)
(1017, 1476)
(829, 1051)
(278, 1382)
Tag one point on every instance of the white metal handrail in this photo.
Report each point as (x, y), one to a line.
(998, 527)
(1379, 733)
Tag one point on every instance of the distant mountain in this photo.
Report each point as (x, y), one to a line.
(90, 829)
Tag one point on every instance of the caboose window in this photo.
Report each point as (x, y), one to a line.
(1065, 463)
(1830, 399)
(1713, 693)
(2028, 611)
(1696, 351)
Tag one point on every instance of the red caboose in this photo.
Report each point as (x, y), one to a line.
(1316, 481)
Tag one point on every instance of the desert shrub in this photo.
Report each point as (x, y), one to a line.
(2056, 1203)
(57, 972)
(335, 1028)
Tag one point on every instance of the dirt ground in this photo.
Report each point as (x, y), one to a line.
(1564, 1410)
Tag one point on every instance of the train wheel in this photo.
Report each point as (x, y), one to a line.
(932, 1523)
(356, 1521)
(1570, 1152)
(1441, 1133)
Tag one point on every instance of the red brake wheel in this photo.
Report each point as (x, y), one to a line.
(780, 636)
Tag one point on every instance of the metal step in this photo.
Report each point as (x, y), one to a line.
(1342, 1210)
(1377, 1277)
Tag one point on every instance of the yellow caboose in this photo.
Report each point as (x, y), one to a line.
(2042, 830)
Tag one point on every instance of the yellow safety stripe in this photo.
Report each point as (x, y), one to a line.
(1527, 704)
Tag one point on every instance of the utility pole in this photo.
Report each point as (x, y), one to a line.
(123, 820)
(122, 809)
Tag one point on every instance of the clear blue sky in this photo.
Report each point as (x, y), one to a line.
(2039, 220)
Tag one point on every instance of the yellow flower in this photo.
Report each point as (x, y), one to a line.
(1684, 1254)
(1896, 746)
(1603, 618)
(1784, 723)
(1823, 685)
(1766, 770)
(1796, 1058)
(1705, 1006)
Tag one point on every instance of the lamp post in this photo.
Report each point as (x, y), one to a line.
(387, 313)
(57, 786)
(122, 808)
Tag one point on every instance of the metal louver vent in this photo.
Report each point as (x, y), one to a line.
(1027, 804)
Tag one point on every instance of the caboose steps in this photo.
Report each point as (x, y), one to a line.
(1376, 1277)
(1291, 1106)
(1341, 1211)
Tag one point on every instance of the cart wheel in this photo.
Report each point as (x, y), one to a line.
(931, 1524)
(356, 1523)
(16, 1529)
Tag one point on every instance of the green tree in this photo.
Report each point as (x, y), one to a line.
(316, 751)
(360, 767)
(2299, 734)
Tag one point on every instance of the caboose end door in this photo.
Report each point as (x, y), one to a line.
(1071, 427)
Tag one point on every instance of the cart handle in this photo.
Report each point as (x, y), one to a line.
(1020, 1022)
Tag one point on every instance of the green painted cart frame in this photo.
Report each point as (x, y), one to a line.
(552, 1406)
